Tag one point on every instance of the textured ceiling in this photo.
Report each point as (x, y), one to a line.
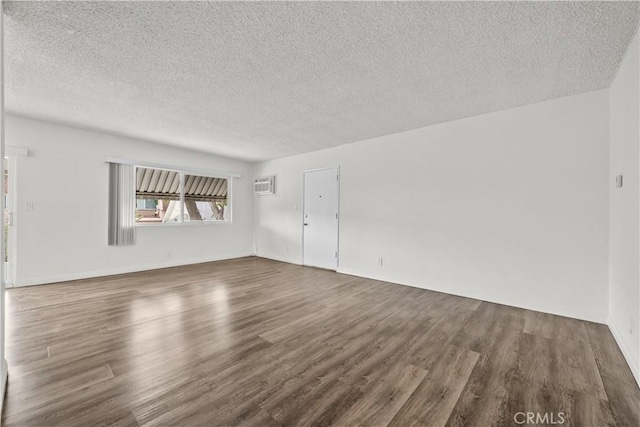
(266, 80)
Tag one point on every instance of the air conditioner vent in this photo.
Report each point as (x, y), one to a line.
(264, 185)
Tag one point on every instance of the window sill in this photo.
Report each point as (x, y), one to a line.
(180, 224)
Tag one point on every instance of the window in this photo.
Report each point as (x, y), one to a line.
(205, 198)
(147, 204)
(168, 196)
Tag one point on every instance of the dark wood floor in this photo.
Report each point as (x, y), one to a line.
(258, 342)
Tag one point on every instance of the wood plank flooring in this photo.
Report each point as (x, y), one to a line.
(262, 343)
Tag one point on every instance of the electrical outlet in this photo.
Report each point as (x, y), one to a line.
(169, 254)
(631, 325)
(380, 262)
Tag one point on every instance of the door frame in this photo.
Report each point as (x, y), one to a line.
(337, 168)
(12, 240)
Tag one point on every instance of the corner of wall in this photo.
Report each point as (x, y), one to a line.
(624, 264)
(634, 364)
(288, 260)
(43, 280)
(255, 207)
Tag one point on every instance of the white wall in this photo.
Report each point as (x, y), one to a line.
(3, 362)
(510, 207)
(66, 178)
(624, 248)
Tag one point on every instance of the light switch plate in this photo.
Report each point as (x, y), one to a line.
(619, 181)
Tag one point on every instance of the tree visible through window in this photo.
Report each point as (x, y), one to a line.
(205, 198)
(160, 192)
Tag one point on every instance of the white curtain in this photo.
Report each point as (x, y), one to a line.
(122, 204)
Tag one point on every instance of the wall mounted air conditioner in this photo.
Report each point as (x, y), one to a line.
(265, 185)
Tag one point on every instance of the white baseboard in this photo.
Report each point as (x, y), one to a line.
(488, 297)
(278, 258)
(634, 364)
(575, 314)
(101, 273)
(3, 384)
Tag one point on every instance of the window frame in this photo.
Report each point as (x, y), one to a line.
(181, 174)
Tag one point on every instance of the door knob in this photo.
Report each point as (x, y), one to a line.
(305, 223)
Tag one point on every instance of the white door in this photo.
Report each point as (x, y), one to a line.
(320, 215)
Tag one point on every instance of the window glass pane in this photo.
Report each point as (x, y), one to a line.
(149, 204)
(171, 211)
(204, 211)
(148, 210)
(205, 198)
(157, 195)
